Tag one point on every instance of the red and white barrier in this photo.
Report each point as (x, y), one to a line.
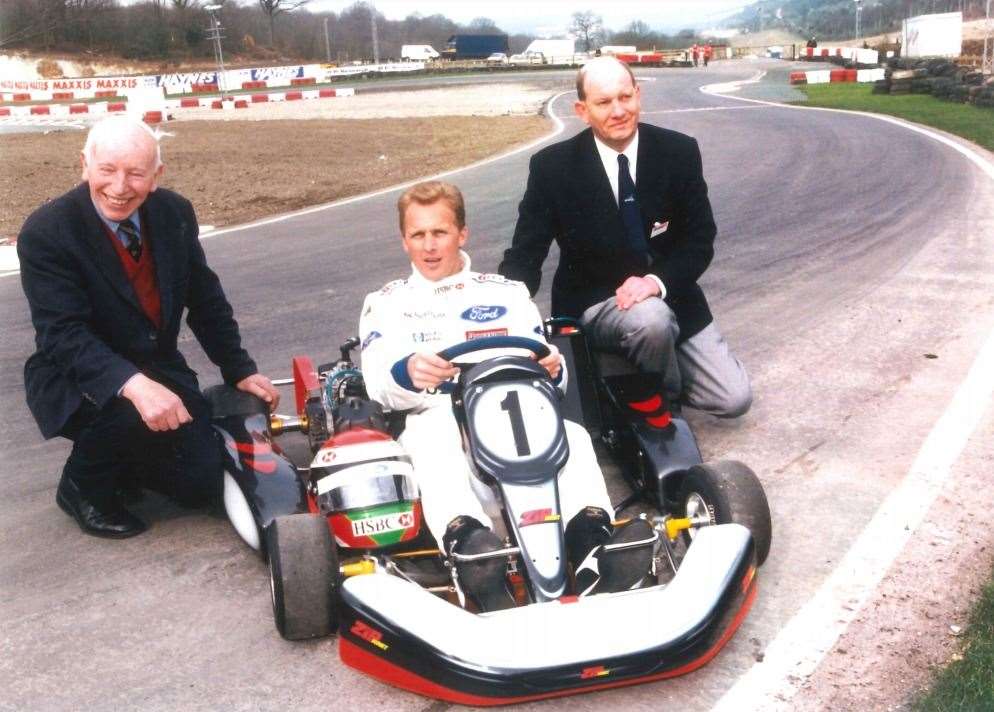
(853, 54)
(238, 101)
(825, 76)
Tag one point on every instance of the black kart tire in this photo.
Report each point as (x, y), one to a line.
(731, 492)
(303, 576)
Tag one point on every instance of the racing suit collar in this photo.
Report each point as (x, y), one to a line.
(417, 280)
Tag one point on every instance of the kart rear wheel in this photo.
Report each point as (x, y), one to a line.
(727, 491)
(303, 576)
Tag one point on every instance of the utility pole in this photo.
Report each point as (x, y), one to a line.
(327, 42)
(376, 41)
(214, 32)
(859, 12)
(988, 43)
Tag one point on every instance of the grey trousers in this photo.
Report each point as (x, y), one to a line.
(699, 372)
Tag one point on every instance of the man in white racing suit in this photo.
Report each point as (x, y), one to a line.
(403, 326)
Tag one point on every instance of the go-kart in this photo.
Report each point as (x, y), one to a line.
(347, 552)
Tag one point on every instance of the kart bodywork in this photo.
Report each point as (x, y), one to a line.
(351, 522)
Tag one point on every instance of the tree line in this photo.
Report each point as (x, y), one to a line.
(264, 30)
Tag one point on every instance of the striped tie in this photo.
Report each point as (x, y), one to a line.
(132, 242)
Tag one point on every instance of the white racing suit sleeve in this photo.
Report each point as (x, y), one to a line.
(384, 358)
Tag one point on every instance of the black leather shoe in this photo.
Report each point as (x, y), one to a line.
(112, 521)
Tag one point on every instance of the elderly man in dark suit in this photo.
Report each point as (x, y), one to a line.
(628, 206)
(108, 270)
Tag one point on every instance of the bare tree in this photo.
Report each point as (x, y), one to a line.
(484, 25)
(587, 27)
(272, 8)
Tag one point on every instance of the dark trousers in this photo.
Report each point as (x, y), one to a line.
(112, 447)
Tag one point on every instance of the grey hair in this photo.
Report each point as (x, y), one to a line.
(114, 126)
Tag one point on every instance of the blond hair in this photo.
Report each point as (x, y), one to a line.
(431, 192)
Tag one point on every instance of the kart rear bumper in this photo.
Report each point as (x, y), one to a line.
(407, 637)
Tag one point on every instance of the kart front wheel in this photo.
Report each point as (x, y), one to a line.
(724, 492)
(303, 576)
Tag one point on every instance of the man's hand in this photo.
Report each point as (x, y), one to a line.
(553, 363)
(260, 386)
(635, 290)
(428, 370)
(159, 407)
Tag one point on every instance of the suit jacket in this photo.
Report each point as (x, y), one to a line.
(569, 200)
(91, 334)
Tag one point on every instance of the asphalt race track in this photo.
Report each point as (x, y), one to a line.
(848, 249)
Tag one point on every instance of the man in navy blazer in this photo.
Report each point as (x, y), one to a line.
(628, 206)
(108, 270)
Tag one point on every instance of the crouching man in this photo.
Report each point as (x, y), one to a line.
(403, 326)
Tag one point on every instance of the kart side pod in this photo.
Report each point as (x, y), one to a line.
(403, 635)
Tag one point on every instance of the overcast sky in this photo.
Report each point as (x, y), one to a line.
(553, 16)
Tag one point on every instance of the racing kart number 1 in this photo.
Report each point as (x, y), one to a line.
(514, 422)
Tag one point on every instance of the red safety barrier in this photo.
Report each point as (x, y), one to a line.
(627, 58)
(241, 104)
(4, 111)
(837, 75)
(22, 97)
(303, 81)
(203, 88)
(79, 109)
(117, 106)
(294, 95)
(799, 77)
(189, 103)
(39, 110)
(824, 53)
(217, 104)
(62, 95)
(254, 85)
(649, 58)
(324, 93)
(106, 93)
(257, 98)
(810, 51)
(851, 75)
(152, 117)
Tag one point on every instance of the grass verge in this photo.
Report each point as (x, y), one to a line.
(971, 122)
(968, 682)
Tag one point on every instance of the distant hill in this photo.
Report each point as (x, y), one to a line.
(836, 19)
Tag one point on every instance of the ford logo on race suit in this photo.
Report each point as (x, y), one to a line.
(481, 313)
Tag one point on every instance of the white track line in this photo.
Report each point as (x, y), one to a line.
(558, 129)
(801, 644)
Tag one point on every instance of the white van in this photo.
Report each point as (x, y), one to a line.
(418, 53)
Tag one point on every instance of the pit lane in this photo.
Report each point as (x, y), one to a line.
(839, 265)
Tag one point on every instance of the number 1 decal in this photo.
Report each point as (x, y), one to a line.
(513, 407)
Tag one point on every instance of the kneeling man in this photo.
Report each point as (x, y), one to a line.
(403, 327)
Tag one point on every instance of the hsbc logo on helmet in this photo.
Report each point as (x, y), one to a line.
(481, 313)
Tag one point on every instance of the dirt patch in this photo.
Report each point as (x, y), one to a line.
(239, 171)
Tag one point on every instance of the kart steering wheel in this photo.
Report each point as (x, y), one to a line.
(484, 343)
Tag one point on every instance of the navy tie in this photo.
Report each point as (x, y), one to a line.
(628, 204)
(132, 242)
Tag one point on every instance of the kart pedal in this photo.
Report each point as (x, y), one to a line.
(621, 569)
(484, 581)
